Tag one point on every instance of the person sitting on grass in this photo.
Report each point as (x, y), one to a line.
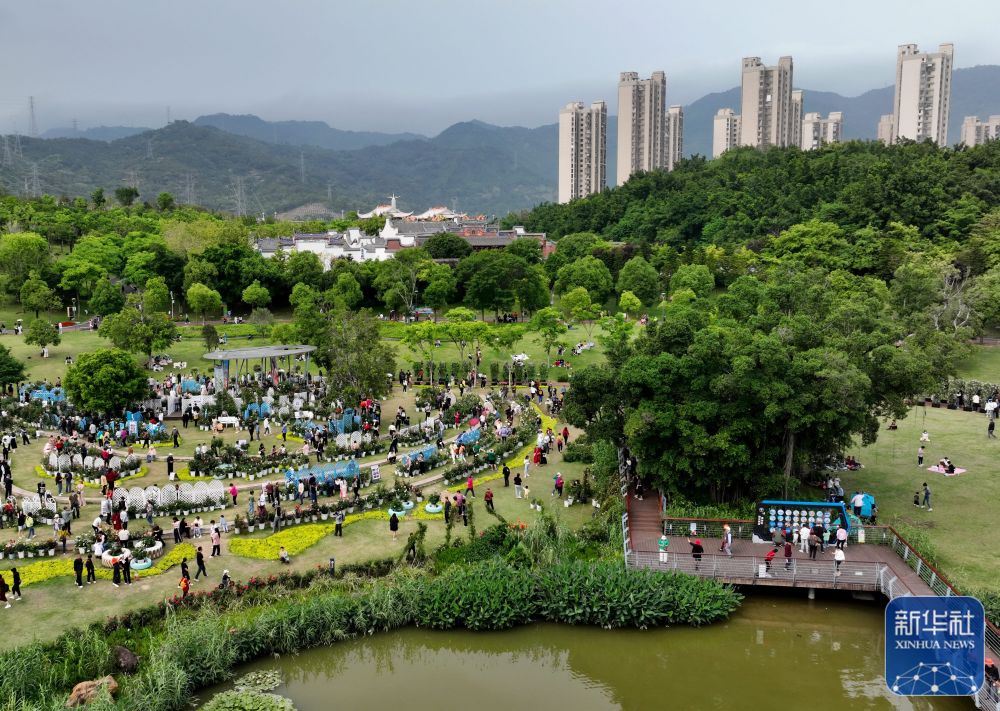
(283, 556)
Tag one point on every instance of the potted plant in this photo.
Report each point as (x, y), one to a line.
(324, 512)
(433, 504)
(298, 513)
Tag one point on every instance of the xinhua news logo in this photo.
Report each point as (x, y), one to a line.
(934, 646)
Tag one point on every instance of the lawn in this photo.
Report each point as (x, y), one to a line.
(962, 525)
(983, 364)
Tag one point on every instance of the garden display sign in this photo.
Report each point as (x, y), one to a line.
(934, 646)
(772, 514)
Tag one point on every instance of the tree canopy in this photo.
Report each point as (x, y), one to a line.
(107, 380)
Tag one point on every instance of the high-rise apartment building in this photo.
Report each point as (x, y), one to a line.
(885, 124)
(582, 149)
(725, 131)
(766, 107)
(976, 132)
(675, 136)
(796, 118)
(641, 123)
(818, 131)
(922, 99)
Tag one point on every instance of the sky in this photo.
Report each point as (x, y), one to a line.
(405, 65)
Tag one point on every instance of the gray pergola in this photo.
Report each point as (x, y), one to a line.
(246, 358)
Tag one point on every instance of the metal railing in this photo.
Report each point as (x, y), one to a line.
(749, 569)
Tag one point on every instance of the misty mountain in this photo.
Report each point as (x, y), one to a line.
(456, 169)
(301, 133)
(97, 133)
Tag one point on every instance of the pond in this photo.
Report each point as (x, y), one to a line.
(776, 652)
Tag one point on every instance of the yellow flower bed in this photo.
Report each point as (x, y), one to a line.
(516, 460)
(299, 538)
(34, 573)
(143, 471)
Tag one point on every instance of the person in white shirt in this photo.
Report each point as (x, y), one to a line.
(804, 537)
(857, 501)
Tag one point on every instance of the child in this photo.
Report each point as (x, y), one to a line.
(768, 558)
(916, 499)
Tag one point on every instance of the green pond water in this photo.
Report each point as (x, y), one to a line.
(775, 653)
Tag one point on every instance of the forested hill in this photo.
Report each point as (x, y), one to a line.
(748, 197)
(469, 167)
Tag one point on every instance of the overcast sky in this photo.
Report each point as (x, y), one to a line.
(396, 65)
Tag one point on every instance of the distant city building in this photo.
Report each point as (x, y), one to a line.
(394, 236)
(922, 99)
(725, 132)
(582, 150)
(885, 124)
(976, 132)
(675, 135)
(818, 131)
(642, 107)
(767, 114)
(796, 118)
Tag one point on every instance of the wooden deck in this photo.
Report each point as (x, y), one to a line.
(869, 566)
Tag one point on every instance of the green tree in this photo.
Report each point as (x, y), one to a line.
(126, 196)
(97, 197)
(140, 268)
(639, 277)
(256, 296)
(107, 298)
(629, 303)
(20, 254)
(440, 287)
(548, 324)
(134, 330)
(528, 249)
(590, 273)
(156, 296)
(199, 271)
(398, 279)
(303, 268)
(262, 320)
(447, 245)
(107, 380)
(165, 202)
(11, 369)
(347, 289)
(204, 300)
(82, 278)
(577, 306)
(41, 333)
(37, 296)
(210, 335)
(356, 358)
(695, 277)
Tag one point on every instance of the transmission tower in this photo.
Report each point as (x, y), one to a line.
(329, 192)
(302, 167)
(133, 179)
(239, 194)
(17, 147)
(188, 189)
(149, 149)
(8, 159)
(33, 124)
(35, 192)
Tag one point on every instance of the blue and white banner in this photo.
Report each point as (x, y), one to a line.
(934, 646)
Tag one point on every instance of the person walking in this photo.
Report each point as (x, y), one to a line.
(663, 545)
(727, 540)
(989, 429)
(506, 475)
(469, 487)
(447, 509)
(216, 542)
(338, 521)
(788, 555)
(813, 541)
(527, 465)
(838, 557)
(78, 571)
(184, 585)
(89, 566)
(841, 537)
(518, 488)
(927, 497)
(116, 571)
(488, 498)
(15, 583)
(920, 456)
(857, 501)
(3, 592)
(696, 551)
(394, 525)
(176, 436)
(199, 560)
(557, 489)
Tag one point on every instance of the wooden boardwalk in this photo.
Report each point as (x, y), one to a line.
(869, 566)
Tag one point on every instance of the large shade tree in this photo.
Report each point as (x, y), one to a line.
(107, 380)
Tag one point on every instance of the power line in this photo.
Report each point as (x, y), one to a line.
(33, 124)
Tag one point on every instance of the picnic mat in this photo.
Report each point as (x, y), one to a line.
(939, 470)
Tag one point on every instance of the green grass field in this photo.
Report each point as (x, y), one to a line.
(962, 525)
(983, 364)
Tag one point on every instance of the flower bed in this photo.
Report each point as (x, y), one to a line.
(297, 539)
(143, 471)
(34, 573)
